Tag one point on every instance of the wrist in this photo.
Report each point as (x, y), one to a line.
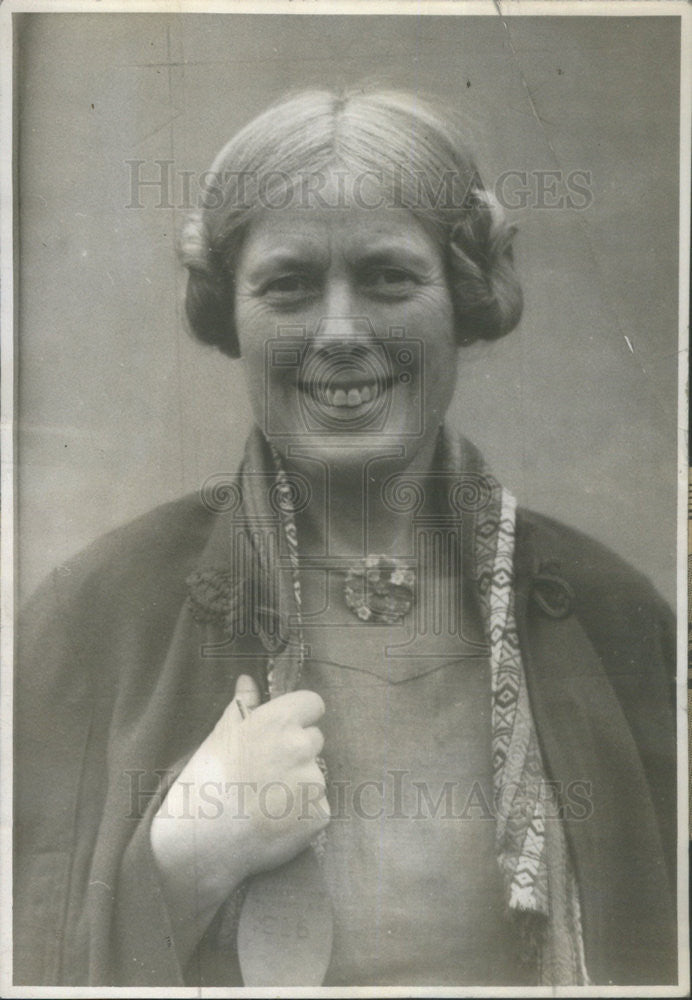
(191, 862)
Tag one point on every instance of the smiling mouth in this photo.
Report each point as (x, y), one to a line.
(346, 395)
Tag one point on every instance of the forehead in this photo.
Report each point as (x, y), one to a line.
(337, 212)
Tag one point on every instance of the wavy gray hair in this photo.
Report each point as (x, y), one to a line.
(415, 151)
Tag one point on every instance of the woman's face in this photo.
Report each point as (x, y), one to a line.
(346, 328)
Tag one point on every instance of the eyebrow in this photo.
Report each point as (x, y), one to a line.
(383, 254)
(277, 260)
(395, 253)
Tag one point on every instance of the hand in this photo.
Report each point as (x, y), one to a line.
(250, 798)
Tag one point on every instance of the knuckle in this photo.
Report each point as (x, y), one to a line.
(299, 742)
(309, 703)
(316, 703)
(266, 711)
(307, 743)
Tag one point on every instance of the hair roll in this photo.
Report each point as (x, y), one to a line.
(486, 293)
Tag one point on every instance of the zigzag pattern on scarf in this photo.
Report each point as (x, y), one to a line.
(539, 881)
(540, 886)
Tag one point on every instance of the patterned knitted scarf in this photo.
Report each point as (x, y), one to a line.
(540, 887)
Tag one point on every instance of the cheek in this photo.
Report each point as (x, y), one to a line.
(252, 338)
(441, 377)
(436, 329)
(432, 312)
(441, 350)
(252, 361)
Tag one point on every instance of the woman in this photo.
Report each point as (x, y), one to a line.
(350, 718)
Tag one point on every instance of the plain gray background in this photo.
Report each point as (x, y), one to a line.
(120, 410)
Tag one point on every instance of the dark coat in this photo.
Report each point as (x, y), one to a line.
(103, 709)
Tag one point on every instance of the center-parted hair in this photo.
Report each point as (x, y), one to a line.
(415, 154)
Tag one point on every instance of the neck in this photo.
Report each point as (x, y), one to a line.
(349, 514)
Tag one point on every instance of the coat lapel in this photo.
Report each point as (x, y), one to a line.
(609, 819)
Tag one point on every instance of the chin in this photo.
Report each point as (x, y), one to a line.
(350, 453)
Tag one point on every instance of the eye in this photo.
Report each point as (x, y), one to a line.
(288, 288)
(392, 282)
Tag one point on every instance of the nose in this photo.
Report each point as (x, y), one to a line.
(342, 318)
(343, 328)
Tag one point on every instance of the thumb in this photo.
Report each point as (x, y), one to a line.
(245, 699)
(247, 693)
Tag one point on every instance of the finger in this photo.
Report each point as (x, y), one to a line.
(300, 744)
(245, 700)
(302, 708)
(315, 740)
(234, 714)
(315, 802)
(247, 692)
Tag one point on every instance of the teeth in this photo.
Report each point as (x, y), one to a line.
(349, 397)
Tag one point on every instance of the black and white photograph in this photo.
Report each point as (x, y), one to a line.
(344, 554)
